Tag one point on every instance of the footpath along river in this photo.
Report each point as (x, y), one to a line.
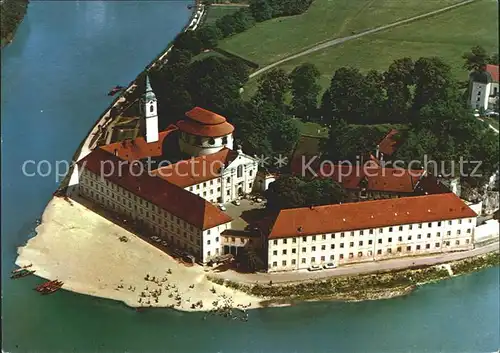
(55, 75)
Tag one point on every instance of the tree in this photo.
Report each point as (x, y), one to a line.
(209, 36)
(188, 40)
(494, 59)
(305, 90)
(273, 87)
(261, 10)
(476, 59)
(292, 192)
(433, 82)
(398, 79)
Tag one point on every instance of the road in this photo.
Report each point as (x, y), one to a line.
(337, 41)
(355, 269)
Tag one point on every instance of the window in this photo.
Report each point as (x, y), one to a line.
(400, 238)
(313, 248)
(380, 241)
(410, 227)
(294, 251)
(283, 262)
(371, 231)
(323, 247)
(208, 253)
(293, 261)
(419, 236)
(450, 223)
(470, 220)
(457, 242)
(228, 192)
(380, 230)
(409, 237)
(304, 238)
(437, 245)
(332, 257)
(468, 231)
(459, 221)
(275, 242)
(341, 245)
(361, 232)
(342, 234)
(224, 140)
(427, 246)
(332, 246)
(284, 251)
(361, 243)
(323, 237)
(458, 232)
(313, 259)
(275, 264)
(341, 256)
(275, 252)
(352, 234)
(400, 228)
(428, 235)
(322, 258)
(448, 232)
(217, 239)
(208, 242)
(447, 243)
(408, 248)
(314, 238)
(429, 224)
(303, 249)
(284, 241)
(251, 173)
(294, 240)
(379, 252)
(418, 247)
(360, 254)
(333, 236)
(303, 260)
(370, 242)
(389, 251)
(239, 171)
(439, 224)
(467, 241)
(398, 249)
(390, 229)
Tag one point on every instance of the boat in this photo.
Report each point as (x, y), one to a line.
(190, 7)
(21, 268)
(49, 287)
(115, 90)
(22, 273)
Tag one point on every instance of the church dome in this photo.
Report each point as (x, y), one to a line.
(202, 122)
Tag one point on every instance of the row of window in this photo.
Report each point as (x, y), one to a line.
(351, 244)
(371, 231)
(369, 253)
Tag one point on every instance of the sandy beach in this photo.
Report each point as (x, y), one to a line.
(83, 249)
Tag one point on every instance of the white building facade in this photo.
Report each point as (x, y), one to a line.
(484, 88)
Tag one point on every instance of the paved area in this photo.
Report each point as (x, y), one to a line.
(338, 41)
(243, 214)
(355, 269)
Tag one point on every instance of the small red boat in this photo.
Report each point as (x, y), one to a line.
(49, 287)
(115, 90)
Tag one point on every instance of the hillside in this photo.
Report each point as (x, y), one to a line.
(11, 14)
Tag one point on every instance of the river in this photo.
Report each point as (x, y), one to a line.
(55, 75)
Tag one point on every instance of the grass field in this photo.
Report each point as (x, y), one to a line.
(216, 12)
(447, 36)
(272, 40)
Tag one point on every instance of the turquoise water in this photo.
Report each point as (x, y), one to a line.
(55, 76)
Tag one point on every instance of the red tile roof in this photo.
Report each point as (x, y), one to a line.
(205, 117)
(493, 70)
(133, 150)
(203, 122)
(397, 180)
(389, 144)
(196, 170)
(296, 222)
(173, 199)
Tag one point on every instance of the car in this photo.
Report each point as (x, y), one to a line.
(237, 202)
(164, 243)
(491, 114)
(314, 268)
(154, 238)
(222, 207)
(329, 265)
(158, 240)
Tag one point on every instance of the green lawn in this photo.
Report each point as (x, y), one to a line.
(272, 40)
(216, 12)
(311, 129)
(447, 36)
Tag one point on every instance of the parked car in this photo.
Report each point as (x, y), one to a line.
(222, 207)
(314, 268)
(329, 265)
(491, 114)
(237, 202)
(154, 238)
(164, 243)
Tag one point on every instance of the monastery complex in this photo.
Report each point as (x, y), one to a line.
(183, 203)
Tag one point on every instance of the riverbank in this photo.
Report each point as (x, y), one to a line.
(94, 256)
(375, 286)
(12, 13)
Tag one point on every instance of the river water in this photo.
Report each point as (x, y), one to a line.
(55, 75)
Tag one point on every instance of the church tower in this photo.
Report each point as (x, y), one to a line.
(150, 113)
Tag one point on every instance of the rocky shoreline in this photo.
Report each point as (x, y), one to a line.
(376, 286)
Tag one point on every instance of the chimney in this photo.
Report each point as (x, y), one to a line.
(116, 152)
(239, 149)
(377, 151)
(299, 229)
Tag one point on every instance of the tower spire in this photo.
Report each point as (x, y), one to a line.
(149, 95)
